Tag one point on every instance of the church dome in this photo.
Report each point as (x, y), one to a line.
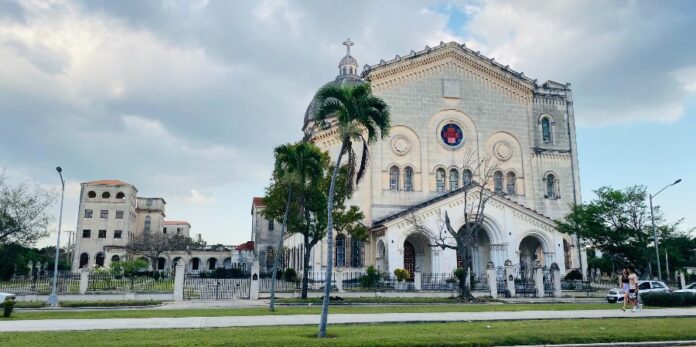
(347, 75)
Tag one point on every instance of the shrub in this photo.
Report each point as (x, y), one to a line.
(371, 278)
(290, 275)
(7, 307)
(459, 274)
(668, 299)
(573, 275)
(156, 275)
(401, 275)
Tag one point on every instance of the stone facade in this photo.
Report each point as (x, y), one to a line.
(449, 104)
(111, 213)
(265, 234)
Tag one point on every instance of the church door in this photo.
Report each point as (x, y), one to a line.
(409, 258)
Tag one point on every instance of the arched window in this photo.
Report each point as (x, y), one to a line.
(466, 177)
(498, 182)
(195, 264)
(511, 184)
(99, 261)
(84, 260)
(357, 249)
(161, 263)
(394, 178)
(551, 186)
(106, 195)
(340, 251)
(115, 259)
(269, 258)
(545, 130)
(148, 222)
(91, 194)
(454, 179)
(408, 179)
(120, 195)
(440, 180)
(212, 262)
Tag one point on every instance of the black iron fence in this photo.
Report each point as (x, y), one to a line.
(549, 284)
(501, 281)
(479, 282)
(207, 288)
(67, 283)
(439, 282)
(106, 282)
(282, 286)
(524, 281)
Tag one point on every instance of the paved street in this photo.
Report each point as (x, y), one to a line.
(246, 321)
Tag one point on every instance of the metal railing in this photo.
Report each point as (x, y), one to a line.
(67, 283)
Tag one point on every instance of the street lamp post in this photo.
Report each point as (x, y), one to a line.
(652, 218)
(53, 298)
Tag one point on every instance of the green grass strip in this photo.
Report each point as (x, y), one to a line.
(421, 334)
(290, 310)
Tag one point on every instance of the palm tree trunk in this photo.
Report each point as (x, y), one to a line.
(305, 267)
(329, 240)
(279, 251)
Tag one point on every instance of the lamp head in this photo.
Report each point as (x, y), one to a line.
(59, 169)
(677, 181)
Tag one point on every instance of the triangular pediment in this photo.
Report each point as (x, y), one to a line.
(456, 198)
(452, 54)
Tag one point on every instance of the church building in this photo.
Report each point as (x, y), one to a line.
(447, 103)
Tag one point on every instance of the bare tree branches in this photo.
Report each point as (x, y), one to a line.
(23, 212)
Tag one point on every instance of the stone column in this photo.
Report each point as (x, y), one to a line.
(538, 279)
(84, 280)
(556, 271)
(492, 279)
(510, 277)
(417, 280)
(254, 287)
(339, 279)
(179, 281)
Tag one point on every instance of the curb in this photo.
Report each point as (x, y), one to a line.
(621, 344)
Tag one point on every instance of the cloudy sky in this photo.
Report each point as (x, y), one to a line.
(186, 99)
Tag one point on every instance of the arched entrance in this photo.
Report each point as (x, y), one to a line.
(531, 250)
(417, 254)
(381, 257)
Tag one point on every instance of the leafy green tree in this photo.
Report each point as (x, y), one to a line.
(305, 211)
(360, 118)
(616, 222)
(180, 242)
(24, 215)
(297, 166)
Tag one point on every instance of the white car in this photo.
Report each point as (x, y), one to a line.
(617, 294)
(3, 296)
(691, 288)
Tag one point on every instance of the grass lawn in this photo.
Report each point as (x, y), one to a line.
(421, 334)
(289, 310)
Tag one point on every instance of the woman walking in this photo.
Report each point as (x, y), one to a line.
(624, 284)
(633, 289)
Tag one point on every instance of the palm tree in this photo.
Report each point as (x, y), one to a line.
(296, 166)
(359, 117)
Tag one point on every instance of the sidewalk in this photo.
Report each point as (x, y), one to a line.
(249, 321)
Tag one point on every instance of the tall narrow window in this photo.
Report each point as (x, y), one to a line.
(394, 178)
(440, 180)
(511, 184)
(546, 130)
(269, 259)
(271, 225)
(356, 253)
(408, 179)
(498, 182)
(340, 251)
(551, 186)
(466, 177)
(454, 179)
(148, 221)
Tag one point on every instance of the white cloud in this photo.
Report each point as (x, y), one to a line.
(200, 198)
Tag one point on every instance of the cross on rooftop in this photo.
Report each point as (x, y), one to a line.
(348, 43)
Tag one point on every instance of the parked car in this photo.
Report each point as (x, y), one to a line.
(617, 294)
(691, 288)
(3, 296)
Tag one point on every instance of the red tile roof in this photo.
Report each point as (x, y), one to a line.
(257, 201)
(108, 183)
(175, 222)
(247, 246)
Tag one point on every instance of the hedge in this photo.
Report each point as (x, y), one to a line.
(669, 299)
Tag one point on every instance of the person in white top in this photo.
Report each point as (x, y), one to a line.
(633, 289)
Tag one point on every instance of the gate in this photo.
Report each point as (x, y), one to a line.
(524, 283)
(501, 281)
(197, 287)
(548, 281)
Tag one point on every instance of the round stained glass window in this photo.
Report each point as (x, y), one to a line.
(452, 135)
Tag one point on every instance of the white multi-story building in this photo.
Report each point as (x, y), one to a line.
(111, 213)
(449, 102)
